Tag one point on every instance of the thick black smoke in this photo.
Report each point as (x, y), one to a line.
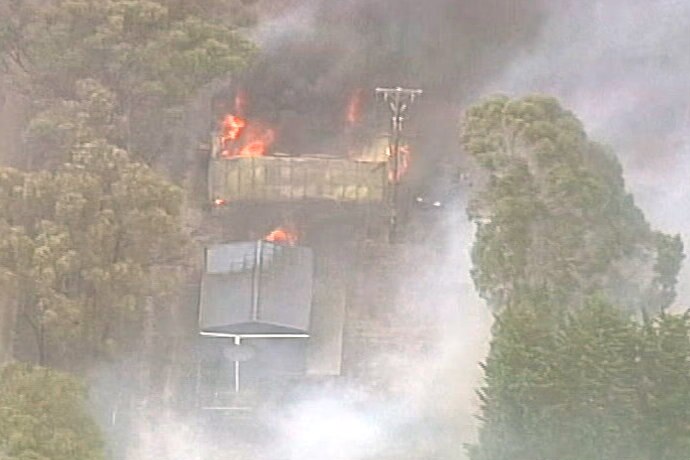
(317, 53)
(621, 65)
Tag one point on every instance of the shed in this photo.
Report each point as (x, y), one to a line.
(256, 288)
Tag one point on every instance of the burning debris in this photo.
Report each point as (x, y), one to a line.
(369, 162)
(282, 235)
(358, 139)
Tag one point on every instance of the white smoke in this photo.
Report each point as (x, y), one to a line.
(424, 407)
(427, 405)
(158, 434)
(329, 428)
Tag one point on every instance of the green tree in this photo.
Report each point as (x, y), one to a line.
(53, 133)
(83, 248)
(664, 388)
(152, 55)
(589, 383)
(517, 377)
(596, 362)
(43, 416)
(555, 215)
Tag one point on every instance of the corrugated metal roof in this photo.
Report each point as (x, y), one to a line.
(256, 288)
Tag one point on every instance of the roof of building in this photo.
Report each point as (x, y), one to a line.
(256, 287)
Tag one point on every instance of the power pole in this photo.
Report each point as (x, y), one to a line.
(399, 99)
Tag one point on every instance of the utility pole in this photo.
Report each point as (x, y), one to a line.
(399, 99)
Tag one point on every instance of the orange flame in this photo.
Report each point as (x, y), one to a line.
(404, 154)
(282, 235)
(256, 138)
(354, 107)
(232, 127)
(259, 139)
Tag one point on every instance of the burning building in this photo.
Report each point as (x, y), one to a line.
(260, 295)
(244, 167)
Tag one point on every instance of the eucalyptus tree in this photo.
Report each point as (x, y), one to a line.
(152, 55)
(84, 247)
(554, 213)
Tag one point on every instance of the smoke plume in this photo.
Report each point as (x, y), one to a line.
(619, 64)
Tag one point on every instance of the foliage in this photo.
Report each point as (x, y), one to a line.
(151, 55)
(82, 249)
(665, 395)
(53, 133)
(554, 214)
(87, 242)
(569, 262)
(589, 384)
(43, 417)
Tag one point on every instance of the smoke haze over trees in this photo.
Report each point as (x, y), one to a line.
(92, 231)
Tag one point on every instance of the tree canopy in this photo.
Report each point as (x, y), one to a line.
(584, 363)
(554, 213)
(84, 246)
(91, 237)
(92, 233)
(43, 416)
(594, 384)
(151, 55)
